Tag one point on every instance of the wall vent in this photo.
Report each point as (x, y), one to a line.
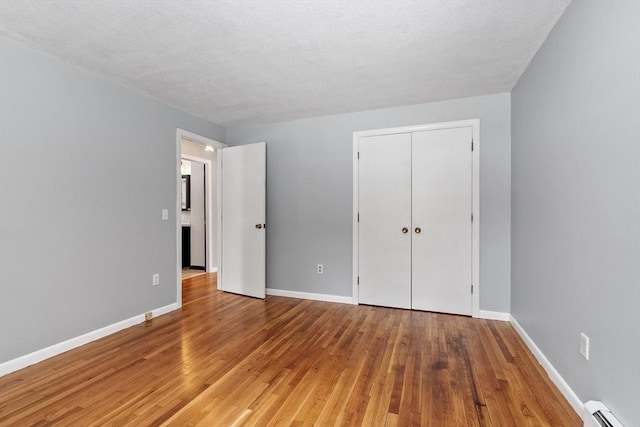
(598, 415)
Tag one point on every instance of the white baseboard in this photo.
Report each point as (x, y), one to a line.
(213, 270)
(562, 385)
(493, 315)
(308, 295)
(45, 353)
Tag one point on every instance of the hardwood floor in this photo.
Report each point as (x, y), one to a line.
(229, 360)
(190, 272)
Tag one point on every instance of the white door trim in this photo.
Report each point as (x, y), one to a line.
(198, 139)
(475, 246)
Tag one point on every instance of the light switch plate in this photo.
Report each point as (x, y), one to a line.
(584, 346)
(165, 214)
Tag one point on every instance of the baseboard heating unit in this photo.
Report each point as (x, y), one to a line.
(598, 415)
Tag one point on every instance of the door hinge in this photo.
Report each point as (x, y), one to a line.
(358, 154)
(472, 145)
(358, 216)
(358, 280)
(471, 289)
(472, 217)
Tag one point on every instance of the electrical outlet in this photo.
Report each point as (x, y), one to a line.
(148, 316)
(165, 214)
(584, 346)
(155, 279)
(320, 269)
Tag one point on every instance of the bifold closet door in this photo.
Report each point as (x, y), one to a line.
(385, 220)
(441, 220)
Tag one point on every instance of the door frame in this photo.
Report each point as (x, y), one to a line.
(182, 134)
(475, 208)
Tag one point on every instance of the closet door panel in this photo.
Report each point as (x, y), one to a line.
(441, 213)
(385, 209)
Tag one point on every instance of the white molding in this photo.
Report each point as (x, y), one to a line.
(554, 375)
(178, 217)
(219, 219)
(355, 228)
(51, 351)
(475, 256)
(475, 226)
(308, 295)
(417, 128)
(475, 249)
(202, 140)
(493, 315)
(214, 270)
(198, 139)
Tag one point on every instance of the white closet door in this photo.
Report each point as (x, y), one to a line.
(197, 214)
(441, 211)
(243, 219)
(385, 209)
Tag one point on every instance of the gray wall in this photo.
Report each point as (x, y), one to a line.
(85, 168)
(309, 193)
(576, 201)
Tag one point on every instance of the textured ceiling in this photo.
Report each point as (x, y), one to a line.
(245, 62)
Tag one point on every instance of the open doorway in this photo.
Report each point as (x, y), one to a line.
(197, 155)
(193, 218)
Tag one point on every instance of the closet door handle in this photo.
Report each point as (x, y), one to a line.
(405, 230)
(418, 230)
(259, 226)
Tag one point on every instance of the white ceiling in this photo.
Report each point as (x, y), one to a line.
(246, 62)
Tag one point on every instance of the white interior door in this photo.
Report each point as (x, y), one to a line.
(384, 208)
(442, 228)
(242, 269)
(197, 214)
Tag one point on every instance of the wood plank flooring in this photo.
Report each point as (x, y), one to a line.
(227, 360)
(190, 272)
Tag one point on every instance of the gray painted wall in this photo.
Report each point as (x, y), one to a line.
(576, 201)
(86, 166)
(309, 193)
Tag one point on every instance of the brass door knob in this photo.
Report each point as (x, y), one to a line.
(418, 230)
(405, 230)
(258, 226)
